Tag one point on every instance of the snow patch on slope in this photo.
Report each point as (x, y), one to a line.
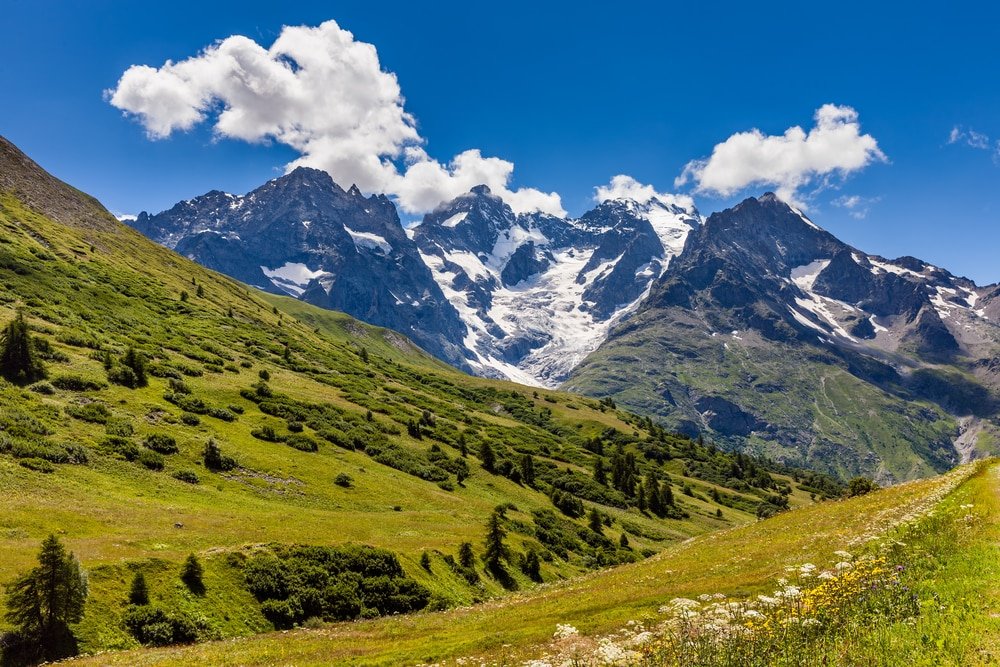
(369, 240)
(292, 277)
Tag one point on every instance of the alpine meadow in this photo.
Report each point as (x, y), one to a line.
(287, 387)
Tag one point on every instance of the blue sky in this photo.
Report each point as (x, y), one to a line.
(571, 95)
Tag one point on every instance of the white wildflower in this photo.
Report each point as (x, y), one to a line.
(564, 631)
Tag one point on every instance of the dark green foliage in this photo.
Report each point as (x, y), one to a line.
(120, 426)
(487, 457)
(190, 419)
(162, 443)
(130, 372)
(96, 413)
(43, 603)
(301, 442)
(37, 464)
(623, 541)
(43, 388)
(600, 474)
(192, 573)
(425, 561)
(139, 591)
(155, 627)
(527, 469)
(466, 556)
(17, 356)
(594, 521)
(567, 503)
(859, 486)
(150, 459)
(496, 552)
(531, 565)
(343, 479)
(214, 459)
(332, 583)
(187, 477)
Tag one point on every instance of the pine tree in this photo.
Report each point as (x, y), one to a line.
(651, 488)
(200, 292)
(528, 469)
(496, 551)
(136, 361)
(44, 602)
(600, 474)
(666, 496)
(466, 557)
(17, 355)
(623, 541)
(594, 521)
(139, 593)
(425, 561)
(191, 575)
(463, 448)
(487, 457)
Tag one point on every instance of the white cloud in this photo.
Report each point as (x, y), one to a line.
(973, 139)
(125, 217)
(857, 206)
(789, 162)
(623, 186)
(321, 92)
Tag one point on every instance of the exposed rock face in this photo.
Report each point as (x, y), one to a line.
(303, 235)
(538, 293)
(769, 330)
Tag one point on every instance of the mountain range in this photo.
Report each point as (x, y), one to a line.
(753, 326)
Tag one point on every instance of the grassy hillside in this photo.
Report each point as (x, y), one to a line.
(331, 431)
(952, 523)
(831, 419)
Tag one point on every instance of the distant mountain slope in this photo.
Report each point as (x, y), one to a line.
(303, 235)
(769, 331)
(539, 293)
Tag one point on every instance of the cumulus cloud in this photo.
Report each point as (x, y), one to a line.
(788, 162)
(321, 92)
(623, 186)
(857, 206)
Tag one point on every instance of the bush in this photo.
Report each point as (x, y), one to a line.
(155, 627)
(190, 419)
(186, 476)
(344, 480)
(43, 388)
(76, 383)
(303, 443)
(120, 426)
(151, 459)
(332, 583)
(267, 434)
(38, 465)
(120, 446)
(95, 413)
(215, 460)
(178, 386)
(162, 443)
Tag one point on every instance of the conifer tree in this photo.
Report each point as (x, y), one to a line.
(496, 551)
(528, 469)
(17, 355)
(44, 602)
(487, 457)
